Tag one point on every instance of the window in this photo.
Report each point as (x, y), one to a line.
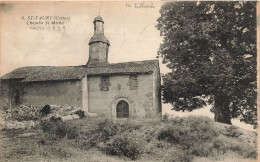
(104, 83)
(133, 84)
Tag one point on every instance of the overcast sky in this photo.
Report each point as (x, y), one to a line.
(129, 27)
(130, 30)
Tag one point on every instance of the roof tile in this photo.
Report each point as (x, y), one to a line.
(47, 73)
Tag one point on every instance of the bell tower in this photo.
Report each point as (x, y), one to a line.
(98, 45)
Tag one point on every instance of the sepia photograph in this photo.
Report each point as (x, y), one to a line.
(114, 81)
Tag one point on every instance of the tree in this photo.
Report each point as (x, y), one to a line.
(210, 48)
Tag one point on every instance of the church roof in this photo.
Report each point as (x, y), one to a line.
(58, 73)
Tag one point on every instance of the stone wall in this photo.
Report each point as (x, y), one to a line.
(157, 91)
(84, 82)
(9, 93)
(98, 52)
(140, 100)
(52, 93)
(145, 101)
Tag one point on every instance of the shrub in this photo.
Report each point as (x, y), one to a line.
(188, 132)
(128, 126)
(233, 131)
(169, 134)
(165, 117)
(243, 149)
(102, 132)
(126, 144)
(56, 130)
(80, 113)
(176, 155)
(54, 150)
(45, 110)
(220, 146)
(250, 153)
(215, 148)
(160, 144)
(73, 133)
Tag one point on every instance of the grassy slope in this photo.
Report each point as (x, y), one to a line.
(27, 145)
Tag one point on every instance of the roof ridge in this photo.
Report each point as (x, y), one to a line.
(85, 65)
(134, 61)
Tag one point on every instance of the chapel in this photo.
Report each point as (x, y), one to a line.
(111, 90)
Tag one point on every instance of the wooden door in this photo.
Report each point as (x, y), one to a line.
(122, 110)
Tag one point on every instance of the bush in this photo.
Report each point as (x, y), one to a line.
(215, 148)
(176, 155)
(80, 113)
(126, 144)
(45, 110)
(73, 133)
(165, 117)
(54, 150)
(188, 132)
(56, 130)
(103, 132)
(220, 146)
(233, 131)
(243, 149)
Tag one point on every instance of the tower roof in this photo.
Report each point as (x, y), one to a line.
(98, 18)
(99, 38)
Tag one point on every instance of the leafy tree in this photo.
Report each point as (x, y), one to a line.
(211, 49)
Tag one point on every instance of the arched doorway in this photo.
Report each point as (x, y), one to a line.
(122, 109)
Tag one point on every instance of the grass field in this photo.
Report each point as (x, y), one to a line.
(195, 139)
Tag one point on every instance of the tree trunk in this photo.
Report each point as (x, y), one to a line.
(221, 107)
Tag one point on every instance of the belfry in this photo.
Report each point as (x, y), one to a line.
(98, 45)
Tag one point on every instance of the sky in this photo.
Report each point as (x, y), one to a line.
(131, 32)
(129, 26)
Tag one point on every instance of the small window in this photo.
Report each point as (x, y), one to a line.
(133, 84)
(104, 83)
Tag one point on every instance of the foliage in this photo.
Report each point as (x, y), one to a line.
(127, 144)
(188, 132)
(56, 150)
(198, 137)
(211, 49)
(103, 132)
(165, 117)
(80, 113)
(194, 137)
(232, 131)
(72, 133)
(100, 133)
(179, 156)
(57, 130)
